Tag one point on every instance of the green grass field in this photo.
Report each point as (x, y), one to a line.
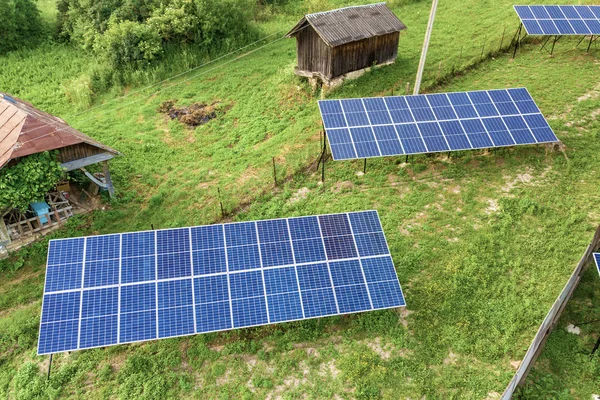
(482, 242)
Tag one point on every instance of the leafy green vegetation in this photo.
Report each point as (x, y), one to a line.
(21, 24)
(29, 180)
(483, 242)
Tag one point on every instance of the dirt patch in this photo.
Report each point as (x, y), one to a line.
(193, 115)
(492, 207)
(515, 364)
(451, 359)
(383, 350)
(301, 194)
(329, 368)
(344, 186)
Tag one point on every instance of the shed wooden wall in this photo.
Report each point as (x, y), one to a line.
(77, 152)
(314, 56)
(364, 53)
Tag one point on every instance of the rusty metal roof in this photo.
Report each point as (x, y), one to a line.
(349, 24)
(25, 130)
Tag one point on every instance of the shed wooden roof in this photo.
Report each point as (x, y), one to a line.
(25, 130)
(349, 24)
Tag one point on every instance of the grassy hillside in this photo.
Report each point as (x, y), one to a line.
(483, 242)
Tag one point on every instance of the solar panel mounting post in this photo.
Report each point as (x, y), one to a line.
(365, 167)
(49, 367)
(518, 40)
(590, 44)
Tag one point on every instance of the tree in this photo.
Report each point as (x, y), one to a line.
(20, 24)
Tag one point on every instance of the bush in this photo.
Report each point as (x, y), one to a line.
(129, 44)
(135, 33)
(29, 180)
(20, 24)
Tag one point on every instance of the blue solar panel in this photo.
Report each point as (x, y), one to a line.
(597, 259)
(112, 289)
(433, 123)
(560, 20)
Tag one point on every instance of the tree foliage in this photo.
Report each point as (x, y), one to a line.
(29, 180)
(20, 24)
(134, 33)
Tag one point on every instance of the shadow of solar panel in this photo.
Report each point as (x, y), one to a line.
(184, 281)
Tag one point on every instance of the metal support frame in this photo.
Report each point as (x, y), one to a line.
(596, 346)
(365, 167)
(109, 184)
(518, 40)
(323, 155)
(556, 39)
(592, 40)
(49, 367)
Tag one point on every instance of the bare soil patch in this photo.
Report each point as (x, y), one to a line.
(193, 115)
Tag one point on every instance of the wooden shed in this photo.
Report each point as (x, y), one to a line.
(25, 130)
(334, 43)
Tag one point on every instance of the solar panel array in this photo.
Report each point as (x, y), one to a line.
(597, 258)
(560, 20)
(387, 126)
(106, 290)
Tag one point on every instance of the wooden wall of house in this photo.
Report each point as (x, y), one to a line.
(313, 54)
(364, 53)
(77, 152)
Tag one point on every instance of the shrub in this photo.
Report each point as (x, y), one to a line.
(134, 33)
(129, 43)
(29, 180)
(20, 24)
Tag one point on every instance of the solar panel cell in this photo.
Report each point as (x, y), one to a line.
(243, 257)
(213, 317)
(211, 289)
(65, 251)
(352, 298)
(61, 306)
(138, 244)
(137, 326)
(209, 261)
(278, 253)
(314, 276)
(175, 321)
(309, 250)
(249, 312)
(174, 293)
(100, 302)
(319, 303)
(386, 294)
(207, 237)
(103, 247)
(173, 265)
(99, 331)
(285, 307)
(138, 269)
(125, 300)
(304, 228)
(371, 244)
(101, 273)
(338, 247)
(63, 277)
(58, 336)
